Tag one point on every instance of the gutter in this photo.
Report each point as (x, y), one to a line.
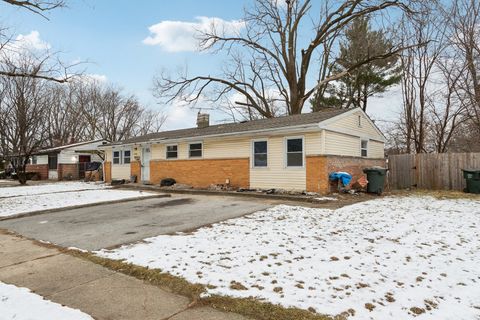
(303, 128)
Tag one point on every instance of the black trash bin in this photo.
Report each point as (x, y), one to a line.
(376, 179)
(472, 177)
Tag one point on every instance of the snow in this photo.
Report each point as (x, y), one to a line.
(400, 254)
(49, 188)
(26, 204)
(22, 304)
(25, 199)
(325, 199)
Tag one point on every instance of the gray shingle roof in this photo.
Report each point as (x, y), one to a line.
(239, 127)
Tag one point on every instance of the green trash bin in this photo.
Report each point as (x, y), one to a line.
(472, 177)
(376, 179)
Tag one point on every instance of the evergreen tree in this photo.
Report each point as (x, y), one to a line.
(373, 78)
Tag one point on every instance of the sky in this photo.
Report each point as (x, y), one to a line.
(126, 43)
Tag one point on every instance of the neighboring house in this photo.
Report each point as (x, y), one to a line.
(67, 161)
(293, 152)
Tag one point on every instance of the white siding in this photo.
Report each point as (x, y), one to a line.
(376, 149)
(313, 143)
(276, 175)
(121, 171)
(108, 154)
(69, 156)
(42, 159)
(350, 123)
(226, 148)
(342, 144)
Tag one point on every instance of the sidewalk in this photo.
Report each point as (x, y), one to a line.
(95, 290)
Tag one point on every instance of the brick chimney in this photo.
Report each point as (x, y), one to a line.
(203, 120)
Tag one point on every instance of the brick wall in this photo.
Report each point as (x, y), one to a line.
(316, 173)
(136, 169)
(203, 172)
(319, 167)
(68, 171)
(41, 169)
(107, 174)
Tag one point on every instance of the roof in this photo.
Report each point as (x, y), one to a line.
(66, 146)
(239, 127)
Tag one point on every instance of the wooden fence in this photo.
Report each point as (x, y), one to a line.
(434, 171)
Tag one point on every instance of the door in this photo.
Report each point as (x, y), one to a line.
(146, 155)
(52, 166)
(82, 163)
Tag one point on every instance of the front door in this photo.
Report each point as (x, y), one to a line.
(146, 155)
(82, 163)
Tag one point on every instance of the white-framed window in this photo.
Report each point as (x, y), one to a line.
(121, 156)
(195, 150)
(364, 148)
(126, 156)
(260, 153)
(172, 151)
(294, 151)
(117, 157)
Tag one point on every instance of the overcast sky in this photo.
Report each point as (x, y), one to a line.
(126, 42)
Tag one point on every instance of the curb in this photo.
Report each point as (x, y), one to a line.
(223, 193)
(39, 212)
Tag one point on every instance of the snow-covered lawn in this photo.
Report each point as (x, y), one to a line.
(62, 195)
(22, 304)
(391, 258)
(49, 188)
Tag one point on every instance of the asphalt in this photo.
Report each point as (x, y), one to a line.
(95, 290)
(110, 225)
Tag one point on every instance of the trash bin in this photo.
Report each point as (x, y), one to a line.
(376, 179)
(472, 177)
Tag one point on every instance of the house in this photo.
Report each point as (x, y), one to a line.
(67, 161)
(294, 152)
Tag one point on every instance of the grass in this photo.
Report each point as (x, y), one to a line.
(249, 307)
(438, 194)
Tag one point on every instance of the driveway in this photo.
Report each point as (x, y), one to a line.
(106, 226)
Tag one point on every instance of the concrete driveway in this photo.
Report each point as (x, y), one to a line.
(110, 225)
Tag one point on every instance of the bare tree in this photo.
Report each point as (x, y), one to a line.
(464, 20)
(418, 66)
(23, 112)
(270, 66)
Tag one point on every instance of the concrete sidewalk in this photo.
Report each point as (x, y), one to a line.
(95, 290)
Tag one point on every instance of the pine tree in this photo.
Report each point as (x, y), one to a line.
(373, 78)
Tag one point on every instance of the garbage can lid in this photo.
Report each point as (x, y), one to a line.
(376, 168)
(471, 170)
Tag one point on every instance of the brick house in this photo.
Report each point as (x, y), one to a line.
(292, 152)
(66, 162)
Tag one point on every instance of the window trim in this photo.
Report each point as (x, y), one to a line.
(129, 157)
(252, 162)
(119, 157)
(366, 148)
(195, 157)
(285, 152)
(166, 151)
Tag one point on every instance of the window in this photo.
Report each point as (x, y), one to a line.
(116, 157)
(52, 162)
(34, 159)
(126, 156)
(260, 155)
(195, 150)
(364, 148)
(172, 152)
(295, 152)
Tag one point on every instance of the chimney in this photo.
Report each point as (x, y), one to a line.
(203, 120)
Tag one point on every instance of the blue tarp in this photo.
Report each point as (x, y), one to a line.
(344, 177)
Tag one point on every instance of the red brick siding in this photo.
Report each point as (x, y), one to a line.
(41, 169)
(203, 172)
(319, 167)
(107, 174)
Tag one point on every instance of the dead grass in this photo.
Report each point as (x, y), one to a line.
(438, 194)
(249, 307)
